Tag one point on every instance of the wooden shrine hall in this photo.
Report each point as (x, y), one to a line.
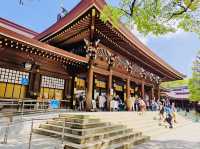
(78, 54)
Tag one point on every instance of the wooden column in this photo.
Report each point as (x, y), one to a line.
(152, 92)
(142, 89)
(159, 92)
(128, 93)
(69, 91)
(65, 95)
(72, 86)
(34, 85)
(89, 88)
(109, 88)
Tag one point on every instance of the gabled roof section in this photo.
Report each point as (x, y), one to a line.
(83, 7)
(17, 28)
(6, 33)
(77, 11)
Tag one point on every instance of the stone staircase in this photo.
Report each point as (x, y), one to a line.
(148, 123)
(83, 131)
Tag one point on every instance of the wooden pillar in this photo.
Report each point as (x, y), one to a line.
(66, 86)
(109, 88)
(159, 92)
(69, 91)
(128, 93)
(143, 90)
(152, 92)
(66, 94)
(72, 90)
(34, 85)
(89, 88)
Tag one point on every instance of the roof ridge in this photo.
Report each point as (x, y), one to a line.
(85, 5)
(17, 26)
(55, 27)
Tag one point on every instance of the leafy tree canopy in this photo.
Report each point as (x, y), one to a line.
(194, 82)
(156, 17)
(175, 84)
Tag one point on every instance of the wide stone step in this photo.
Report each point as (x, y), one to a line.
(107, 143)
(82, 132)
(76, 120)
(79, 125)
(107, 131)
(77, 116)
(85, 139)
(129, 144)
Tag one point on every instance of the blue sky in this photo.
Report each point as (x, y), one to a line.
(178, 49)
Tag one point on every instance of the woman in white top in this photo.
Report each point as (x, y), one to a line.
(102, 101)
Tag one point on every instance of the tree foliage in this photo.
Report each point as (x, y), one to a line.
(175, 84)
(156, 17)
(194, 82)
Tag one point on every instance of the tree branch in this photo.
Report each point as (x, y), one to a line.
(132, 7)
(184, 9)
(129, 14)
(21, 2)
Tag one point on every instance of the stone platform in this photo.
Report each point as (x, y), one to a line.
(89, 132)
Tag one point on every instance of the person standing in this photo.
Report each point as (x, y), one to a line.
(112, 104)
(142, 106)
(133, 103)
(169, 116)
(102, 101)
(116, 103)
(146, 100)
(174, 112)
(94, 105)
(187, 109)
(161, 114)
(136, 104)
(81, 102)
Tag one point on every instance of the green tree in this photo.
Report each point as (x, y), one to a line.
(156, 17)
(194, 82)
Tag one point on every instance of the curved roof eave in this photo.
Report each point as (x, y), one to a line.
(85, 5)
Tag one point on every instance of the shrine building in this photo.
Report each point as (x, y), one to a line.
(78, 54)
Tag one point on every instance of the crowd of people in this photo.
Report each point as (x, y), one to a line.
(167, 111)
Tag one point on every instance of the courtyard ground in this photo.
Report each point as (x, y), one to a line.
(187, 137)
(184, 137)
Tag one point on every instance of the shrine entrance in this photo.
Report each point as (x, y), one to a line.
(119, 88)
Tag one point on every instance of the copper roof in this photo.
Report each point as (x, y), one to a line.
(17, 28)
(85, 5)
(40, 45)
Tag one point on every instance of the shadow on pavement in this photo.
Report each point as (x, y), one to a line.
(169, 144)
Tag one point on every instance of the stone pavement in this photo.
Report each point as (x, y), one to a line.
(187, 137)
(18, 137)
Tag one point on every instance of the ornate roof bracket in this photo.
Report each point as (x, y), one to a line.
(91, 49)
